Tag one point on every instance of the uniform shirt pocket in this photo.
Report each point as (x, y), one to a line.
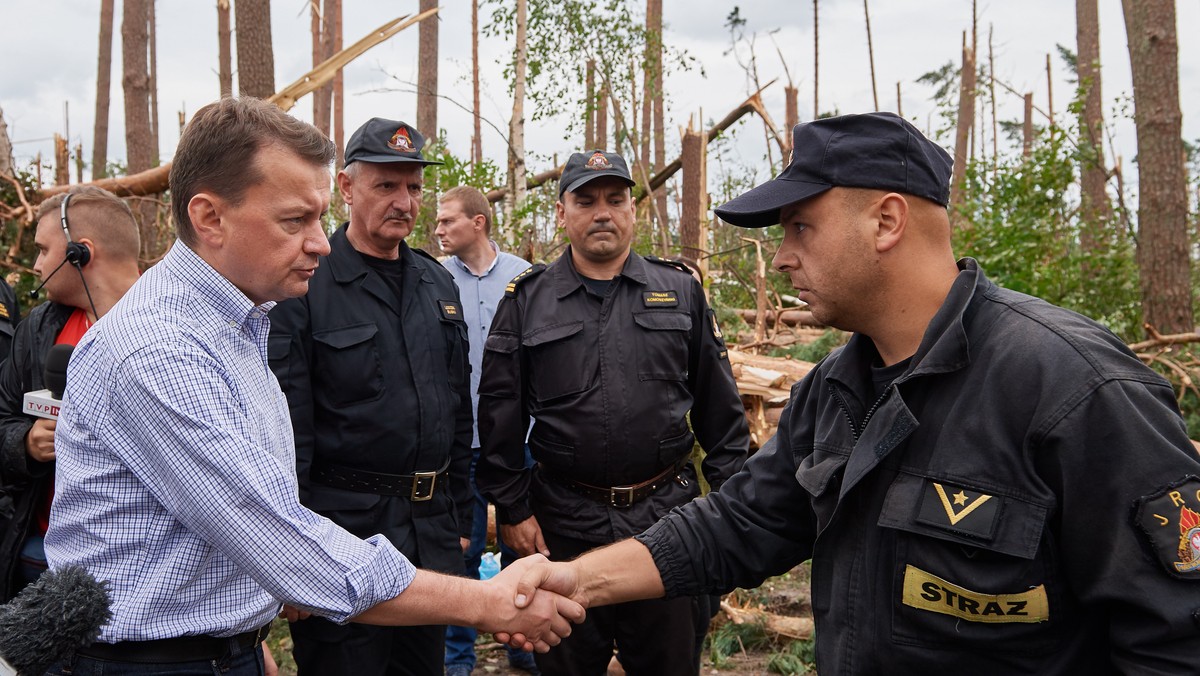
(974, 567)
(562, 362)
(663, 344)
(347, 368)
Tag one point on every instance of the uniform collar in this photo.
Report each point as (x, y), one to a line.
(567, 279)
(945, 346)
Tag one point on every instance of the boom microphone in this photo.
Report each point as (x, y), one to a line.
(34, 294)
(50, 619)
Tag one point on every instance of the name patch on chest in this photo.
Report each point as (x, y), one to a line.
(1170, 520)
(451, 309)
(660, 299)
(959, 509)
(930, 592)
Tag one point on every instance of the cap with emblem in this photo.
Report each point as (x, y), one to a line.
(593, 164)
(380, 140)
(880, 151)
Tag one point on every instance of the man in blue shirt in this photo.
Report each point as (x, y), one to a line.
(176, 479)
(482, 271)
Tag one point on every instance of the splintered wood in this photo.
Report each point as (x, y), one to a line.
(765, 384)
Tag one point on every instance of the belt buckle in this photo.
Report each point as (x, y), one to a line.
(422, 486)
(620, 496)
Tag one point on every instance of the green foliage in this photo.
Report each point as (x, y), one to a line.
(796, 658)
(730, 639)
(1027, 233)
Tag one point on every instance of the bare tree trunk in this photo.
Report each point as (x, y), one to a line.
(1095, 206)
(1162, 181)
(816, 64)
(477, 139)
(602, 118)
(1027, 129)
(692, 229)
(647, 87)
(899, 105)
(654, 41)
(136, 82)
(325, 93)
(427, 73)
(339, 88)
(62, 161)
(871, 54)
(516, 125)
(589, 131)
(103, 87)
(224, 52)
(319, 103)
(966, 118)
(152, 40)
(992, 96)
(1049, 91)
(255, 54)
(6, 156)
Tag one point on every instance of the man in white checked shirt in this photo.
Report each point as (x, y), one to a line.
(176, 471)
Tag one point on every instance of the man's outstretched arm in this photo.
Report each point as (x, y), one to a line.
(433, 598)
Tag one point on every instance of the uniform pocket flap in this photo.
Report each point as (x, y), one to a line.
(506, 343)
(549, 334)
(663, 321)
(817, 469)
(963, 512)
(278, 346)
(346, 336)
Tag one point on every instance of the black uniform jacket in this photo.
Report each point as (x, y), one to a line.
(1015, 503)
(23, 481)
(609, 383)
(10, 316)
(381, 384)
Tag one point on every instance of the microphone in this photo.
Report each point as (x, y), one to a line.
(45, 403)
(50, 619)
(34, 294)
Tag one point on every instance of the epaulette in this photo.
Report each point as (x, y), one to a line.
(673, 264)
(531, 271)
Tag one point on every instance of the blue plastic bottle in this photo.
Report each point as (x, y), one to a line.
(489, 565)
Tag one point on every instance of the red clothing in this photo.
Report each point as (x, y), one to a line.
(77, 324)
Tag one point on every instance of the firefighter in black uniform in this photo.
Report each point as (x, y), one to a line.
(986, 483)
(10, 316)
(608, 351)
(374, 364)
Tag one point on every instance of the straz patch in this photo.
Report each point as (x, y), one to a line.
(598, 162)
(962, 510)
(660, 299)
(1171, 522)
(401, 141)
(451, 309)
(925, 591)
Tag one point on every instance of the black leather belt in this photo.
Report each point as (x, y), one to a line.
(623, 496)
(418, 486)
(176, 650)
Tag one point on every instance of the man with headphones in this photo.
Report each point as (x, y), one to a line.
(87, 242)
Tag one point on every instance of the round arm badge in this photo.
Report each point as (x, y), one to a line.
(1170, 520)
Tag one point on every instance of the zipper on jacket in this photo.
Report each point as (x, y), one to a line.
(854, 429)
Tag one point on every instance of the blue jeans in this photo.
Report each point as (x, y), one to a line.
(248, 663)
(460, 641)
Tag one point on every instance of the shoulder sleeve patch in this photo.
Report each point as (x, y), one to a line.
(531, 271)
(1170, 521)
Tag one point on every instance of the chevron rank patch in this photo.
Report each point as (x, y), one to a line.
(511, 289)
(959, 509)
(451, 309)
(1170, 521)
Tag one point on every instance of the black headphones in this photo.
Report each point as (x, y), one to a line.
(77, 254)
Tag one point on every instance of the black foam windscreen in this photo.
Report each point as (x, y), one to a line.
(55, 375)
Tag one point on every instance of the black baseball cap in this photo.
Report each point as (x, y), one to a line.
(880, 151)
(585, 166)
(380, 140)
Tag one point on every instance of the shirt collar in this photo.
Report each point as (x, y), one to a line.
(495, 259)
(567, 279)
(228, 301)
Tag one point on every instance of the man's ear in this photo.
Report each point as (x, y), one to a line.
(204, 210)
(892, 219)
(480, 222)
(345, 186)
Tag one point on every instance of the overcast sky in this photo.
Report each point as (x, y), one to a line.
(50, 60)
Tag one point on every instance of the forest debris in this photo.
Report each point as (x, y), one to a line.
(799, 628)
